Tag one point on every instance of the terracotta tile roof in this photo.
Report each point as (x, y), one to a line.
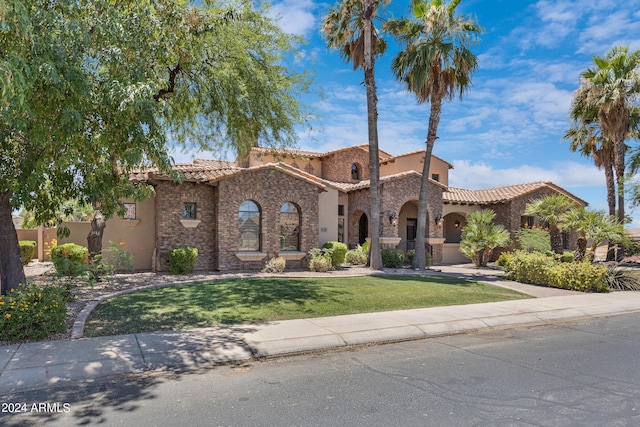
(501, 194)
(316, 154)
(366, 184)
(211, 171)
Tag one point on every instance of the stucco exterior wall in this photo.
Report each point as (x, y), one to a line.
(414, 161)
(269, 189)
(312, 166)
(328, 216)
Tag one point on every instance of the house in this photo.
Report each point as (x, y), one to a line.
(276, 203)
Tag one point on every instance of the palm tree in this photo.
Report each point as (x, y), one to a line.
(349, 28)
(594, 226)
(550, 210)
(481, 236)
(435, 64)
(586, 137)
(609, 91)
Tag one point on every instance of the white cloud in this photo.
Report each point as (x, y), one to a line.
(477, 175)
(294, 16)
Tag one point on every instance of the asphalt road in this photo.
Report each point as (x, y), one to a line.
(583, 373)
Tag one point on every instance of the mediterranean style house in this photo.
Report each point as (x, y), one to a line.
(285, 203)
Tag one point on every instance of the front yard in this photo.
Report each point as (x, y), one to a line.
(268, 299)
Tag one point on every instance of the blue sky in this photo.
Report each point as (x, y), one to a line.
(508, 128)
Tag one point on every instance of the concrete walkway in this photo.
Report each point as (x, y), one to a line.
(32, 365)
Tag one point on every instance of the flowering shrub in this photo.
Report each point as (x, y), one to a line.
(70, 259)
(121, 259)
(32, 312)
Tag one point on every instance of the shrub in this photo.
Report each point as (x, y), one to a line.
(320, 264)
(567, 257)
(27, 250)
(392, 258)
(70, 259)
(579, 276)
(339, 253)
(182, 259)
(541, 269)
(275, 265)
(504, 259)
(32, 312)
(620, 280)
(320, 259)
(120, 259)
(533, 239)
(356, 256)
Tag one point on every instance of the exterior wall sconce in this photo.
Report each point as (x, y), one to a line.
(456, 224)
(439, 220)
(393, 219)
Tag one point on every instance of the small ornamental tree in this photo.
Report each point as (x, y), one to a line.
(481, 236)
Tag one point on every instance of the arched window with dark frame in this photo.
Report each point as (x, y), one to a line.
(355, 172)
(289, 227)
(250, 226)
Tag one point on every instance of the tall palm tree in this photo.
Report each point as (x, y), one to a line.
(436, 63)
(550, 210)
(586, 136)
(610, 90)
(349, 28)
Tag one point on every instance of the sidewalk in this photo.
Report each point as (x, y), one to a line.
(31, 365)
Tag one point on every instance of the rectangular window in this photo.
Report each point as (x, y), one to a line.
(189, 211)
(129, 211)
(341, 230)
(527, 221)
(435, 177)
(340, 210)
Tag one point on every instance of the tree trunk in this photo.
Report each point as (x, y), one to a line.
(368, 9)
(11, 268)
(619, 148)
(94, 239)
(556, 239)
(581, 249)
(420, 257)
(611, 199)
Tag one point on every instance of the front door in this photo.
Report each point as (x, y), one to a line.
(412, 226)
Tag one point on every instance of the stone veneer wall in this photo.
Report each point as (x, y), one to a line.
(394, 194)
(337, 166)
(270, 189)
(170, 199)
(509, 214)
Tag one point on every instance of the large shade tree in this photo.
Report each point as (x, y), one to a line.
(90, 90)
(349, 27)
(435, 64)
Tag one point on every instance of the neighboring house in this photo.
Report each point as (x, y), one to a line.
(287, 203)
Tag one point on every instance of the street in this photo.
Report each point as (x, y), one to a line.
(583, 373)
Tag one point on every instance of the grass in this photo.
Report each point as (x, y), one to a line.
(268, 299)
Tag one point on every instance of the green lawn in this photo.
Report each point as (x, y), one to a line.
(267, 299)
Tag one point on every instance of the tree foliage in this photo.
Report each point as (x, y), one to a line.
(550, 210)
(91, 89)
(481, 236)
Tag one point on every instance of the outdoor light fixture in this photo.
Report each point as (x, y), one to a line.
(393, 219)
(438, 219)
(456, 224)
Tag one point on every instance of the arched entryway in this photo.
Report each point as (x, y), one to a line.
(363, 228)
(452, 227)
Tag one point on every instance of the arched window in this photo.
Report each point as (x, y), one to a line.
(289, 227)
(250, 226)
(355, 172)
